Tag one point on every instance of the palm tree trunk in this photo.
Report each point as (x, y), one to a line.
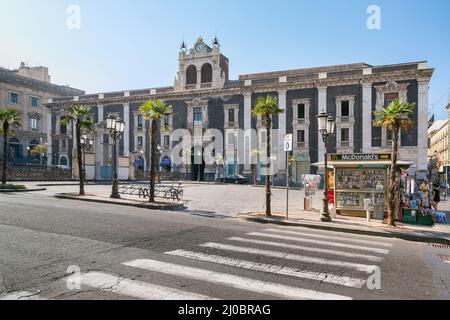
(392, 178)
(5, 142)
(268, 167)
(79, 157)
(153, 161)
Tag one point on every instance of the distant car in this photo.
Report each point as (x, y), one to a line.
(236, 179)
(63, 167)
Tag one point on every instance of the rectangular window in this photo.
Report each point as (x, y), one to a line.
(34, 123)
(166, 140)
(34, 102)
(166, 120)
(140, 121)
(231, 115)
(389, 97)
(106, 138)
(230, 138)
(140, 141)
(63, 129)
(301, 111)
(345, 137)
(345, 108)
(301, 138)
(13, 98)
(198, 115)
(64, 144)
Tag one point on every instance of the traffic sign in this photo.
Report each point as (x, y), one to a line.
(288, 143)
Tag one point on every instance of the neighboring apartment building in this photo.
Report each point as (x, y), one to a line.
(204, 97)
(27, 89)
(438, 144)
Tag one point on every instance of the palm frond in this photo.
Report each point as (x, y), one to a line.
(155, 109)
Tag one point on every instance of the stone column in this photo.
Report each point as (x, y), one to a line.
(422, 139)
(281, 130)
(126, 133)
(367, 117)
(247, 131)
(99, 144)
(322, 107)
(49, 137)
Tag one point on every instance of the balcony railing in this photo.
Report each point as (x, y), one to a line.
(345, 144)
(301, 120)
(345, 119)
(301, 144)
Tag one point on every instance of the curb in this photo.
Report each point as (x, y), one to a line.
(21, 190)
(169, 207)
(411, 236)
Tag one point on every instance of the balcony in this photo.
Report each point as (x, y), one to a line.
(345, 119)
(345, 144)
(301, 144)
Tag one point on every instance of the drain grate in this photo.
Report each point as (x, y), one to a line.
(439, 246)
(445, 258)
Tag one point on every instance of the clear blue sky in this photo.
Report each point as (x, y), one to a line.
(134, 44)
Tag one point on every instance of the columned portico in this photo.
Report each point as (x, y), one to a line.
(322, 107)
(281, 130)
(422, 139)
(367, 120)
(126, 133)
(49, 137)
(247, 129)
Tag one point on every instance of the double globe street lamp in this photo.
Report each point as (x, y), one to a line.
(326, 128)
(115, 128)
(86, 143)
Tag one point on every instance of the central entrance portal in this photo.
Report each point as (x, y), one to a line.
(197, 165)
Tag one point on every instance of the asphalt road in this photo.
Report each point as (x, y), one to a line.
(62, 249)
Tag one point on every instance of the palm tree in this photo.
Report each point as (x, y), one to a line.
(154, 110)
(8, 118)
(394, 117)
(39, 150)
(80, 116)
(265, 108)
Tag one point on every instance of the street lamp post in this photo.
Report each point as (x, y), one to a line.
(326, 128)
(116, 128)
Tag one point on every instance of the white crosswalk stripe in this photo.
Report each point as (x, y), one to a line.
(305, 248)
(270, 268)
(230, 280)
(327, 243)
(21, 295)
(289, 256)
(136, 289)
(329, 237)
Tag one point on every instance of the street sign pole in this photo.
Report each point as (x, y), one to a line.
(287, 185)
(287, 148)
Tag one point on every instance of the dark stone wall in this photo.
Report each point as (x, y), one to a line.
(376, 131)
(311, 94)
(410, 137)
(255, 97)
(349, 90)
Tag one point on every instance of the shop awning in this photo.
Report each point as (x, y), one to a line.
(333, 164)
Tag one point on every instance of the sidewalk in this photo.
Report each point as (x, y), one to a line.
(124, 201)
(437, 233)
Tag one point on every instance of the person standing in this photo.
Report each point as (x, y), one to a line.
(436, 196)
(425, 189)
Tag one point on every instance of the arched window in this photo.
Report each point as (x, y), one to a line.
(206, 73)
(191, 75)
(63, 161)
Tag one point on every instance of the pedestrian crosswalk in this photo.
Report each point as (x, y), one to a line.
(281, 263)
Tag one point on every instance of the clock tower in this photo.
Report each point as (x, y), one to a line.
(201, 67)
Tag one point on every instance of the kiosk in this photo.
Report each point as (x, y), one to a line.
(357, 178)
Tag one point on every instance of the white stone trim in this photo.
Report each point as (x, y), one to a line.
(226, 108)
(367, 117)
(297, 125)
(350, 124)
(322, 102)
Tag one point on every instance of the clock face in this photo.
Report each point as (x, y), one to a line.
(198, 47)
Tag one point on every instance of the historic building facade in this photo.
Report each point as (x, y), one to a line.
(203, 97)
(27, 90)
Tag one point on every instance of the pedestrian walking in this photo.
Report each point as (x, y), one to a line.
(436, 196)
